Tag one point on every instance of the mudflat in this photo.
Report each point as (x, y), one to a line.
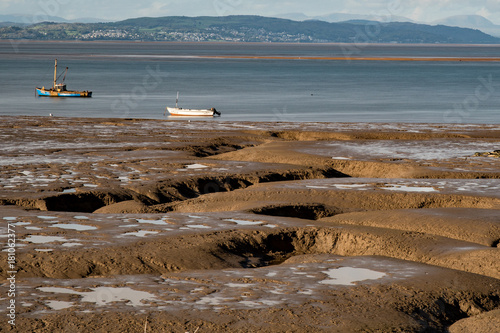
(134, 225)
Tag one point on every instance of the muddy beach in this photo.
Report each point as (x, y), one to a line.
(129, 225)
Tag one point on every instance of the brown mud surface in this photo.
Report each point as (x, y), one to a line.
(126, 225)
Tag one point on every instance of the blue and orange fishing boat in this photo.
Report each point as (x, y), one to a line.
(59, 89)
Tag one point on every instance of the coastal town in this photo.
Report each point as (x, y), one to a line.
(212, 34)
(216, 34)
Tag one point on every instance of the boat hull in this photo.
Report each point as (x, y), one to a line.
(179, 112)
(65, 93)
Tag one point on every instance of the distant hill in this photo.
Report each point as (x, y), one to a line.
(399, 32)
(246, 28)
(473, 22)
(342, 17)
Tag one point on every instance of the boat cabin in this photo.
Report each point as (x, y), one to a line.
(60, 87)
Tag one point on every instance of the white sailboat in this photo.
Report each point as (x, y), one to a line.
(181, 112)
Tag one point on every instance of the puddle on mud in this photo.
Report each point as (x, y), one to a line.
(196, 166)
(351, 186)
(244, 222)
(105, 295)
(303, 279)
(21, 224)
(59, 305)
(436, 149)
(75, 230)
(72, 244)
(199, 226)
(74, 226)
(404, 188)
(47, 217)
(155, 222)
(346, 276)
(139, 233)
(488, 187)
(40, 239)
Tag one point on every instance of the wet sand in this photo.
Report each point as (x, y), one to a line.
(128, 225)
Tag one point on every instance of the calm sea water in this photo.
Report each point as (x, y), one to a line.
(138, 80)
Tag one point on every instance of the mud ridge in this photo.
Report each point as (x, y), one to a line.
(296, 135)
(344, 200)
(250, 249)
(165, 192)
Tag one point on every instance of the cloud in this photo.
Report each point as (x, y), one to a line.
(484, 12)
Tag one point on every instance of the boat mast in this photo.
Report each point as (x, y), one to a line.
(55, 74)
(177, 99)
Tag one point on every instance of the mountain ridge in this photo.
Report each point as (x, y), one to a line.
(477, 22)
(472, 22)
(34, 19)
(343, 17)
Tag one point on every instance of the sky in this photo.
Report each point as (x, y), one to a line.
(418, 10)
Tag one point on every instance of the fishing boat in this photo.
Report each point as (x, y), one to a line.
(181, 112)
(59, 89)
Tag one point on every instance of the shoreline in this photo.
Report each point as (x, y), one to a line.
(272, 124)
(252, 43)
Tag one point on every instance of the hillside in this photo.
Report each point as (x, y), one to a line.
(250, 29)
